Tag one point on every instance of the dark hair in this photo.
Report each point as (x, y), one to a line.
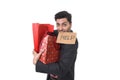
(63, 14)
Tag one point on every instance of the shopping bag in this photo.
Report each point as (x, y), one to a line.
(50, 49)
(38, 31)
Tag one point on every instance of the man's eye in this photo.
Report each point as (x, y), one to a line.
(58, 25)
(64, 24)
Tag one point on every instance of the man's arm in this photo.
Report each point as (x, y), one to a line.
(68, 55)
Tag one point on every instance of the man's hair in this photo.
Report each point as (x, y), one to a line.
(63, 14)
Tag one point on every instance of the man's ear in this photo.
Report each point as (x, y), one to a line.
(70, 25)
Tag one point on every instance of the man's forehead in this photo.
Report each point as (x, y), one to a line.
(61, 22)
(62, 19)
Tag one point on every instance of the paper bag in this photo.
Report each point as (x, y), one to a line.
(66, 38)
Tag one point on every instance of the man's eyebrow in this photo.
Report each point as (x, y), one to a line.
(57, 23)
(64, 22)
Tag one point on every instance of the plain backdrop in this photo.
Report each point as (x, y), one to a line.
(97, 23)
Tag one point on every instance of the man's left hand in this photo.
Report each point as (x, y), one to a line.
(36, 57)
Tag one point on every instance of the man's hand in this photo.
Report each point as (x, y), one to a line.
(36, 56)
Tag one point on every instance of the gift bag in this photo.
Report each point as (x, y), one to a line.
(38, 31)
(50, 49)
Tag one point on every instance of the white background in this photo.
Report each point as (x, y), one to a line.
(97, 23)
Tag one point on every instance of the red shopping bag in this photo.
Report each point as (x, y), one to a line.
(38, 31)
(50, 49)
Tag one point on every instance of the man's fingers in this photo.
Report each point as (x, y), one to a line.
(34, 52)
(41, 51)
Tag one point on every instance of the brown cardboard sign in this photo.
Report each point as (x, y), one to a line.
(66, 37)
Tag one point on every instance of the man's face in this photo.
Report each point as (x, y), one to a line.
(63, 25)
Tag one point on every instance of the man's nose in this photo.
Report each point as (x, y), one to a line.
(60, 28)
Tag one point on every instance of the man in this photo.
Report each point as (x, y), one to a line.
(64, 68)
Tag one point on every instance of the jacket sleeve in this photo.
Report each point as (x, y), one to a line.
(68, 56)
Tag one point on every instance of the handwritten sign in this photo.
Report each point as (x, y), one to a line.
(66, 37)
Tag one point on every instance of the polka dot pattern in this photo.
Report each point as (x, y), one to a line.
(50, 49)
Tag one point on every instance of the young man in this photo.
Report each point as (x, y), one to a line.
(64, 68)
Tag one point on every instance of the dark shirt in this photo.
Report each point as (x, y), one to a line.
(64, 69)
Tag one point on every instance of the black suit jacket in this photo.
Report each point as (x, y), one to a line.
(65, 67)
